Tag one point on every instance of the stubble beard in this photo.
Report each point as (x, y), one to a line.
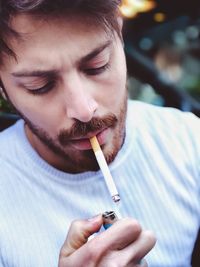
(82, 161)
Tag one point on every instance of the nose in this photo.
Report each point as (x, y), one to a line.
(80, 103)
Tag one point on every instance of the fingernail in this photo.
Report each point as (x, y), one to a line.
(94, 219)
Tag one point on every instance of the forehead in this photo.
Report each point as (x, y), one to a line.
(45, 40)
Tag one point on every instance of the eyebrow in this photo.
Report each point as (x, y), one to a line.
(96, 51)
(53, 72)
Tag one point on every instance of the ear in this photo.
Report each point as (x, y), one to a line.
(3, 94)
(120, 22)
(120, 25)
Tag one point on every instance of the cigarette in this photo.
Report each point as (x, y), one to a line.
(104, 168)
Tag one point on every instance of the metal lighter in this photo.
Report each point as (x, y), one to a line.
(109, 217)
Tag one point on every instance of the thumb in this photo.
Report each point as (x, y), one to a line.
(78, 234)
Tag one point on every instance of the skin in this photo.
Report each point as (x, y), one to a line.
(70, 85)
(84, 88)
(124, 244)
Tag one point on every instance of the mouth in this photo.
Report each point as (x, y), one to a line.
(83, 143)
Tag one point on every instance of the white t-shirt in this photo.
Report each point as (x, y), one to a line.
(156, 173)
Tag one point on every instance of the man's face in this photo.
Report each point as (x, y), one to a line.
(68, 83)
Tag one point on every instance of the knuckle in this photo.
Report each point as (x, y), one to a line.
(132, 224)
(76, 224)
(76, 227)
(93, 251)
(62, 253)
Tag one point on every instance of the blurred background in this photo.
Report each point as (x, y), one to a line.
(162, 44)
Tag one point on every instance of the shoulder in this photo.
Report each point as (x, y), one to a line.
(165, 125)
(162, 118)
(166, 132)
(11, 157)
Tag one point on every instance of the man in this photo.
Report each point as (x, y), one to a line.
(63, 69)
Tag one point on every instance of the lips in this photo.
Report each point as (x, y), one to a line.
(84, 143)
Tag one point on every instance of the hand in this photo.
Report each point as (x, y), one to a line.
(124, 244)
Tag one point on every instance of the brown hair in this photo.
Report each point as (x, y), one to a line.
(103, 12)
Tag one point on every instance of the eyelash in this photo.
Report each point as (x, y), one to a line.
(47, 87)
(44, 89)
(97, 71)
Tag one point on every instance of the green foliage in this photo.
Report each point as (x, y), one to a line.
(5, 106)
(194, 89)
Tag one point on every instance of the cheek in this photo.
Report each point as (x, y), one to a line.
(115, 89)
(117, 79)
(43, 113)
(40, 116)
(49, 117)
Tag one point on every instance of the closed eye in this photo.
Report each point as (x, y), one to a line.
(42, 90)
(97, 71)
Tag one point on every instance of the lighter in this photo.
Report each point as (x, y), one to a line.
(109, 217)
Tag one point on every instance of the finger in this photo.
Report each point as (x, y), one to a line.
(138, 249)
(122, 233)
(78, 234)
(102, 249)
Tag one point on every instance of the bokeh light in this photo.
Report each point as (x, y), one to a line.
(130, 8)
